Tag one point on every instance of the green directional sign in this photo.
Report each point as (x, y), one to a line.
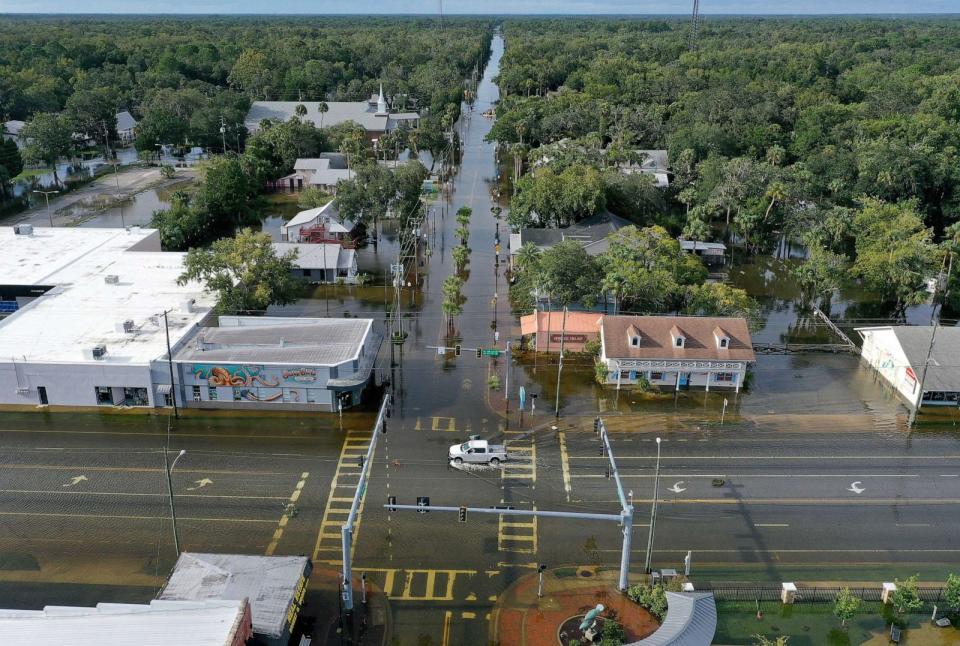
(491, 352)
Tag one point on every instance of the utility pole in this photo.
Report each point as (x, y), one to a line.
(47, 195)
(173, 385)
(653, 512)
(935, 323)
(223, 133)
(695, 25)
(563, 334)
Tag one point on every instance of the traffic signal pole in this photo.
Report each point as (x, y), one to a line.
(346, 532)
(625, 517)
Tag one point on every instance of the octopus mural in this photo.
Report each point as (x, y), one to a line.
(233, 376)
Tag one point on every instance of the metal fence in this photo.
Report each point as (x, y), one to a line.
(765, 592)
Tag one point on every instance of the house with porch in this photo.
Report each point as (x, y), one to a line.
(322, 224)
(321, 263)
(676, 352)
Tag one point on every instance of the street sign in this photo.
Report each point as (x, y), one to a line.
(490, 352)
(423, 501)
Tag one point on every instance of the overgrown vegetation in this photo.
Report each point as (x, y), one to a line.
(774, 127)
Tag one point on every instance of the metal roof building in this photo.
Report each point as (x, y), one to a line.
(691, 621)
(161, 623)
(277, 362)
(274, 585)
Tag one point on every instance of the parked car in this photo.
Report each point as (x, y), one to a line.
(478, 452)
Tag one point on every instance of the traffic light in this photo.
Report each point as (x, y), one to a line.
(391, 500)
(479, 353)
(596, 425)
(360, 461)
(462, 516)
(423, 501)
(456, 350)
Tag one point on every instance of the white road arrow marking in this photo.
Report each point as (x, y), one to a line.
(676, 488)
(200, 484)
(75, 480)
(856, 488)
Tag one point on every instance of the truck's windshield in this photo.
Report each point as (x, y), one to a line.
(465, 446)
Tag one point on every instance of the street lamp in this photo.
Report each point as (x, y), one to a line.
(653, 511)
(47, 195)
(173, 512)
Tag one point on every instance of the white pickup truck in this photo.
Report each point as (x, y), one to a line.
(478, 452)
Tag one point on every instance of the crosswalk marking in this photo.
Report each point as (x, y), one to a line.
(417, 584)
(517, 536)
(441, 424)
(328, 548)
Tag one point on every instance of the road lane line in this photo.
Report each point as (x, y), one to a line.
(746, 476)
(116, 517)
(57, 467)
(771, 525)
(289, 511)
(565, 464)
(771, 457)
(79, 492)
(447, 617)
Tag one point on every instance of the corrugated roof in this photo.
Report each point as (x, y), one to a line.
(161, 623)
(691, 621)
(268, 582)
(317, 341)
(125, 121)
(657, 342)
(317, 255)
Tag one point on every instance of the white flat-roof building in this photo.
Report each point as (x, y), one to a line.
(83, 321)
(159, 623)
(921, 362)
(265, 362)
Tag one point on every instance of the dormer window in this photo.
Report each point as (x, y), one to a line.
(722, 338)
(633, 336)
(679, 338)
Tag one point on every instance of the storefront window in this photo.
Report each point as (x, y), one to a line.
(104, 395)
(135, 397)
(212, 393)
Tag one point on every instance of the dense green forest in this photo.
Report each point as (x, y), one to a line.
(184, 78)
(180, 76)
(839, 132)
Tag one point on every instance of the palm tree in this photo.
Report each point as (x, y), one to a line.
(777, 192)
(300, 110)
(322, 108)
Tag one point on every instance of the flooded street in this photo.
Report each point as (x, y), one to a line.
(755, 484)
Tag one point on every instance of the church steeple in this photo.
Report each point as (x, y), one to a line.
(381, 102)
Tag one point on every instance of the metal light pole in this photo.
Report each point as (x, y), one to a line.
(563, 335)
(47, 195)
(653, 512)
(173, 512)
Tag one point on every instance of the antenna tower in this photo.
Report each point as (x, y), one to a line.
(695, 25)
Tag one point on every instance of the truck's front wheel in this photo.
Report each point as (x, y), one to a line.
(495, 462)
(458, 461)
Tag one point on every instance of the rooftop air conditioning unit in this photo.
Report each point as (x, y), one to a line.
(99, 351)
(23, 229)
(111, 279)
(187, 306)
(128, 326)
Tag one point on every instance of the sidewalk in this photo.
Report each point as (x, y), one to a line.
(371, 623)
(519, 618)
